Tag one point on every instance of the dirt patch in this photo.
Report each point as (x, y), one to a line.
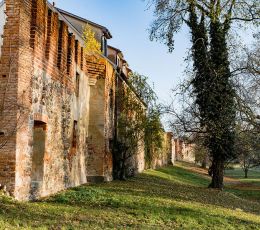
(246, 186)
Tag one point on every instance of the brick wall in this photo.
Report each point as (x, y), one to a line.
(9, 68)
(42, 80)
(166, 155)
(102, 91)
(184, 151)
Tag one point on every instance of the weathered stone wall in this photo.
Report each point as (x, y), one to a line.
(178, 145)
(53, 105)
(140, 157)
(101, 124)
(11, 114)
(166, 154)
(39, 86)
(188, 153)
(135, 162)
(184, 151)
(109, 117)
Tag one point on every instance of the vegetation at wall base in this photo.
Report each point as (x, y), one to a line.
(139, 127)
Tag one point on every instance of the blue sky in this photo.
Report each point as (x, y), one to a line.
(128, 21)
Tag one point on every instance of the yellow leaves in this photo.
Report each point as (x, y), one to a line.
(91, 45)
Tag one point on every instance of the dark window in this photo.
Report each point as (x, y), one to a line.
(104, 45)
(77, 84)
(111, 143)
(69, 54)
(111, 96)
(39, 139)
(76, 51)
(81, 58)
(60, 44)
(74, 135)
(111, 107)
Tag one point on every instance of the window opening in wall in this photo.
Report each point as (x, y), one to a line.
(77, 84)
(60, 44)
(111, 107)
(82, 58)
(39, 145)
(69, 53)
(104, 45)
(111, 142)
(49, 33)
(76, 51)
(74, 138)
(111, 94)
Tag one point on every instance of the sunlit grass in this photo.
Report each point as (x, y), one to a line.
(167, 198)
(248, 188)
(253, 173)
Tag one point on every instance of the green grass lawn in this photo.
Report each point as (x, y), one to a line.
(248, 188)
(168, 198)
(253, 174)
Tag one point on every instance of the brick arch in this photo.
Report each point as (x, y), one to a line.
(40, 117)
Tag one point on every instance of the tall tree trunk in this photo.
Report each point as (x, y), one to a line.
(217, 174)
(221, 114)
(214, 92)
(123, 171)
(123, 166)
(204, 162)
(246, 172)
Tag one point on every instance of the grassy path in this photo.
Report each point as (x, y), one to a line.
(169, 198)
(248, 188)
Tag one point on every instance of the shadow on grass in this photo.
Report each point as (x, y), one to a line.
(167, 198)
(184, 176)
(151, 214)
(18, 214)
(248, 188)
(165, 185)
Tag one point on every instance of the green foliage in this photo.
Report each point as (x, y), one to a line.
(138, 125)
(143, 89)
(169, 198)
(153, 129)
(130, 130)
(201, 154)
(153, 136)
(214, 92)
